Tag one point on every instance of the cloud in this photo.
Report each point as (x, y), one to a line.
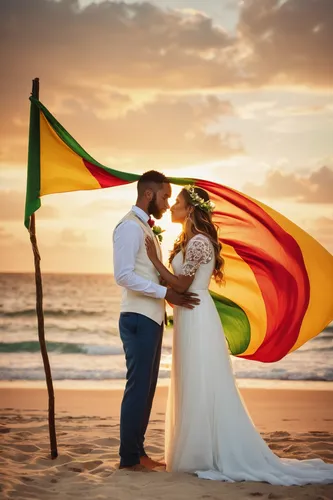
(321, 186)
(322, 230)
(288, 43)
(106, 103)
(12, 207)
(121, 45)
(314, 188)
(258, 109)
(315, 109)
(289, 127)
(6, 238)
(169, 125)
(99, 209)
(98, 57)
(167, 129)
(324, 224)
(251, 110)
(83, 57)
(70, 236)
(103, 205)
(140, 45)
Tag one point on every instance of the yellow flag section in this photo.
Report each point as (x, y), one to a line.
(61, 169)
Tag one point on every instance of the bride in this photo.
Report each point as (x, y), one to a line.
(208, 429)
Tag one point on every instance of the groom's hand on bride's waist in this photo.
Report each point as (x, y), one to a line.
(188, 300)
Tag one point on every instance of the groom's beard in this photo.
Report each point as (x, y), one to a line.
(153, 208)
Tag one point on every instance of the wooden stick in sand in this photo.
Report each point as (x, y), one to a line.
(40, 316)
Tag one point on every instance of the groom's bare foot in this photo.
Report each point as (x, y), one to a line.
(135, 468)
(150, 463)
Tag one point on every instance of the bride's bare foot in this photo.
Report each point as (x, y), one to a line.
(150, 463)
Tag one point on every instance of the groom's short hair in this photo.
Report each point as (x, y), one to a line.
(149, 178)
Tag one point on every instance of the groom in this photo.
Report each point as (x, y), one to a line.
(142, 314)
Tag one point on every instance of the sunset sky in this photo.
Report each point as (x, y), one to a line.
(238, 92)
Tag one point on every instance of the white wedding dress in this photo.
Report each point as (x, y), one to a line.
(208, 429)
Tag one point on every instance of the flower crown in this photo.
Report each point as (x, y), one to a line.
(197, 201)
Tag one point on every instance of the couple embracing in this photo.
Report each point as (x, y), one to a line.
(208, 429)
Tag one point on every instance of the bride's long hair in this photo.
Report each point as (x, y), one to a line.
(200, 222)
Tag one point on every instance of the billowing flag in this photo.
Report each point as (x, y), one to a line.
(278, 290)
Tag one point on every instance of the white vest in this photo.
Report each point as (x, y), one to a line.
(136, 302)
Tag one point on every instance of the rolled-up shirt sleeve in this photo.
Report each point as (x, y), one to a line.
(127, 239)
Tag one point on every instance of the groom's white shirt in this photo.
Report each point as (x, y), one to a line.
(127, 239)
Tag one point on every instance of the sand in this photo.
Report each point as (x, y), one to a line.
(295, 424)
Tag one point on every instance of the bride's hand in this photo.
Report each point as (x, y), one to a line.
(151, 249)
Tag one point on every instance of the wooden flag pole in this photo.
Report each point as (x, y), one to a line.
(40, 316)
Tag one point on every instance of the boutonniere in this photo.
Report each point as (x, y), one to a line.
(157, 230)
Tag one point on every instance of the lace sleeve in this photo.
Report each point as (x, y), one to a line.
(199, 251)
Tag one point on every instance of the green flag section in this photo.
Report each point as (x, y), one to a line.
(279, 287)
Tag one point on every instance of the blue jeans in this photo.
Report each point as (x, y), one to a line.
(142, 342)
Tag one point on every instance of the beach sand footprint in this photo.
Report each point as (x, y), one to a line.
(88, 454)
(107, 441)
(28, 448)
(84, 466)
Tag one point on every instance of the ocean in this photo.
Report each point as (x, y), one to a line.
(81, 329)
